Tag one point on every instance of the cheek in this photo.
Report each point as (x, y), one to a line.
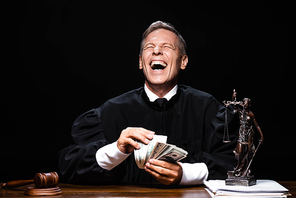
(175, 65)
(174, 72)
(145, 62)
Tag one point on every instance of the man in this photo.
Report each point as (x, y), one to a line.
(105, 138)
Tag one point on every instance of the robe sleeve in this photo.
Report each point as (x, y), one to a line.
(77, 163)
(218, 156)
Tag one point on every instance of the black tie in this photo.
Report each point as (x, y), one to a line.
(160, 102)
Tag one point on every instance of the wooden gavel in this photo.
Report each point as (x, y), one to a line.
(40, 180)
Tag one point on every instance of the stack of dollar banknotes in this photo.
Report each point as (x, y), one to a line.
(158, 149)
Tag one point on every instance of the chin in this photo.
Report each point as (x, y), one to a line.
(157, 82)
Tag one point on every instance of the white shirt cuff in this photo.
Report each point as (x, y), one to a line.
(109, 156)
(194, 174)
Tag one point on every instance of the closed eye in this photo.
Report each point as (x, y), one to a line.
(169, 46)
(150, 46)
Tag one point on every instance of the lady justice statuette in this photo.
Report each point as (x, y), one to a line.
(245, 149)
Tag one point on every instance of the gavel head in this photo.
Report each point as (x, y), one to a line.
(42, 180)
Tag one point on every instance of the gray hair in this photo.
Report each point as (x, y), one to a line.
(167, 26)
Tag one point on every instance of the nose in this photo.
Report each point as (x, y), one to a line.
(157, 50)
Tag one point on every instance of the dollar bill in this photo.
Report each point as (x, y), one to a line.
(174, 154)
(158, 149)
(159, 146)
(142, 155)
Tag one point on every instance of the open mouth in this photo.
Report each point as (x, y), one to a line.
(158, 65)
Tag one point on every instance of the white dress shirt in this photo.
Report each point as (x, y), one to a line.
(109, 156)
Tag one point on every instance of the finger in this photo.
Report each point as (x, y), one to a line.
(155, 171)
(126, 143)
(156, 175)
(140, 134)
(160, 174)
(164, 164)
(159, 167)
(145, 132)
(132, 143)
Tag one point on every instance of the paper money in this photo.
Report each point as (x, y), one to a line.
(158, 149)
(171, 153)
(142, 155)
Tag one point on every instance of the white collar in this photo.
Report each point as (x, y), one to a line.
(152, 96)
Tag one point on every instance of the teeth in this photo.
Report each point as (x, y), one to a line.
(158, 63)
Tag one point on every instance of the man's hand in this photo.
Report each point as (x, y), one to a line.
(127, 140)
(165, 172)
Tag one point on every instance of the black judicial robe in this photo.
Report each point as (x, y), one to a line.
(192, 120)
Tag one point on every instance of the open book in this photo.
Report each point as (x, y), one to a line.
(263, 188)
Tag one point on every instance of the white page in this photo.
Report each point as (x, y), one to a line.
(262, 186)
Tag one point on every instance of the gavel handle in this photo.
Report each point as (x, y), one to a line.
(17, 183)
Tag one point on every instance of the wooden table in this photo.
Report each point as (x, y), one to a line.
(140, 190)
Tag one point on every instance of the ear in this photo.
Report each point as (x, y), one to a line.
(184, 62)
(140, 63)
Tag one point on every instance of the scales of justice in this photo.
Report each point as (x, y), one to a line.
(245, 149)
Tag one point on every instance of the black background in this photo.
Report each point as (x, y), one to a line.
(62, 58)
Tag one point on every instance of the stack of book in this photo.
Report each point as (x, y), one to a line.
(263, 188)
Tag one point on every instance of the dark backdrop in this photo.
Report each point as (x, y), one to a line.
(62, 58)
